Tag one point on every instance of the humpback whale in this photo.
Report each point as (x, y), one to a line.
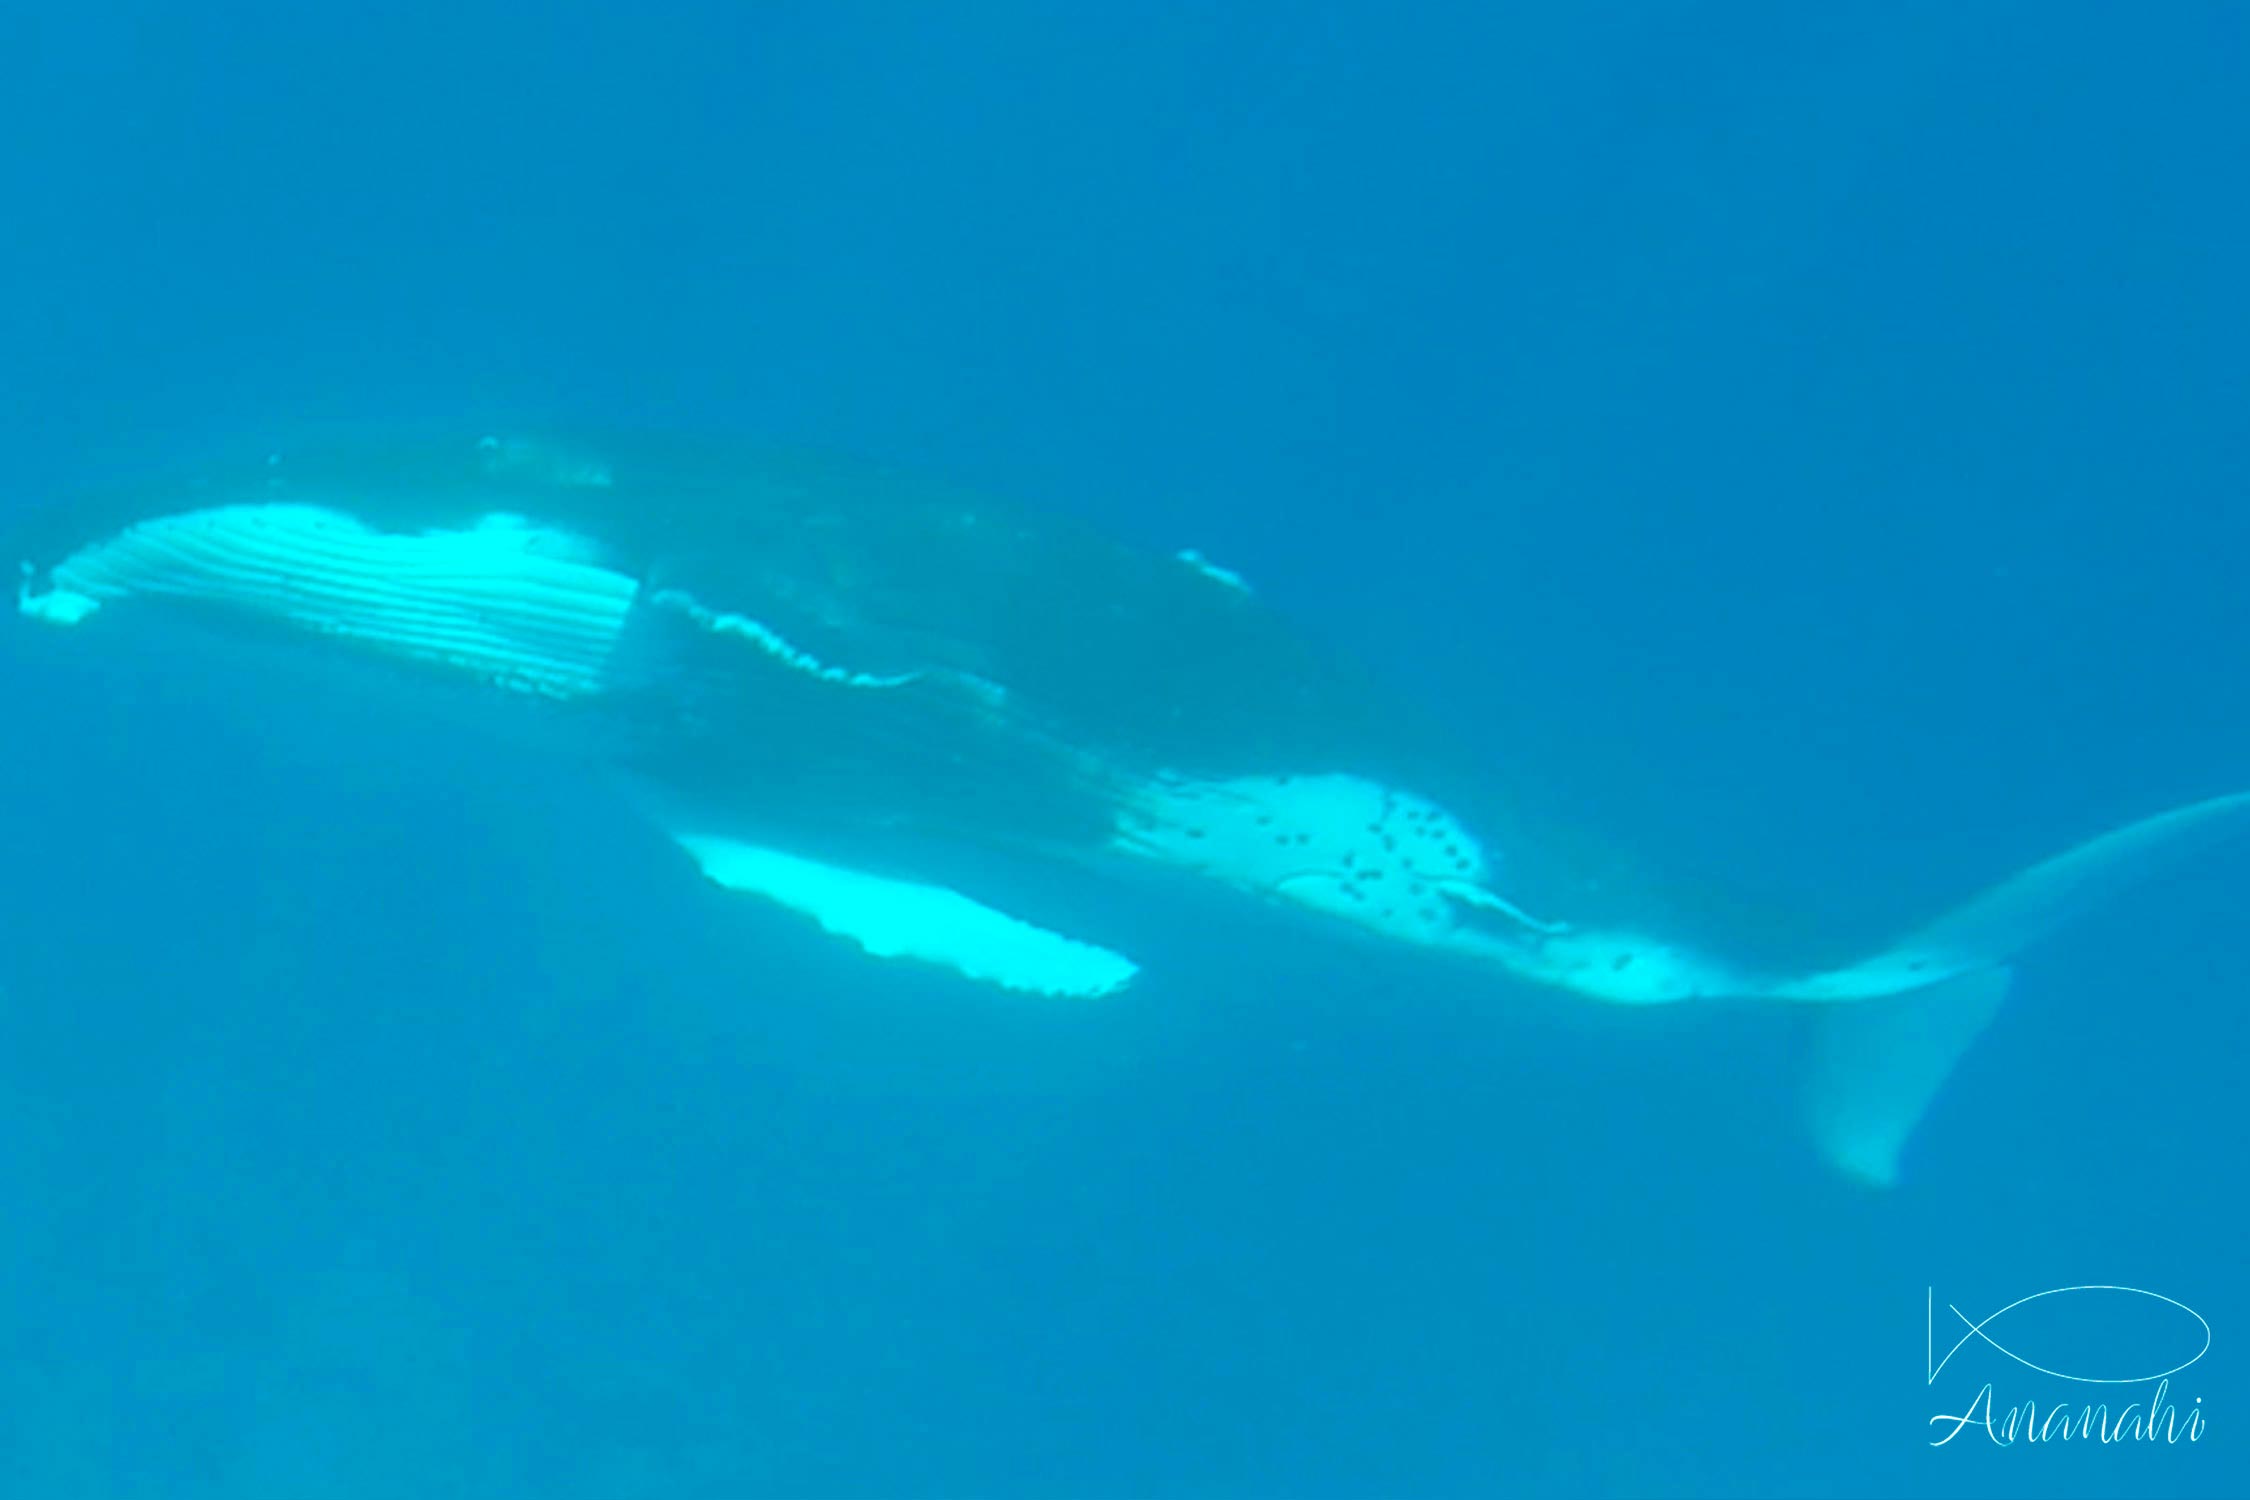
(818, 680)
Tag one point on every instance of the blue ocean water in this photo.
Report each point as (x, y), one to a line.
(1803, 444)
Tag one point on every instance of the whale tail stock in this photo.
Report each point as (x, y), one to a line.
(1889, 1030)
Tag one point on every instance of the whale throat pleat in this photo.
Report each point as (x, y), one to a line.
(525, 606)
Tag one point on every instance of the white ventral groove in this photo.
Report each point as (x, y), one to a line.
(523, 605)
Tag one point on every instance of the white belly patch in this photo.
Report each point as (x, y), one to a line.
(1398, 865)
(524, 606)
(1343, 845)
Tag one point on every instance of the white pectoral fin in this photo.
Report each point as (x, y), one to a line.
(893, 918)
(1890, 1030)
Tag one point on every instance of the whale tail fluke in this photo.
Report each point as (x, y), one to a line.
(2019, 911)
(1876, 1065)
(1889, 1030)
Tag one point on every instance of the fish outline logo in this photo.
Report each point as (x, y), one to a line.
(1976, 1329)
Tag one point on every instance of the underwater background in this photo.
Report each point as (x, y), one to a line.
(1803, 445)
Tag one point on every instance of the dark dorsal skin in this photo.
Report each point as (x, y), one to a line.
(1111, 645)
(830, 674)
(1046, 656)
(1134, 658)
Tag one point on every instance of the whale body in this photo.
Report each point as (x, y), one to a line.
(816, 679)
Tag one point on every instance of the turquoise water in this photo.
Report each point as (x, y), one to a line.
(1805, 449)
